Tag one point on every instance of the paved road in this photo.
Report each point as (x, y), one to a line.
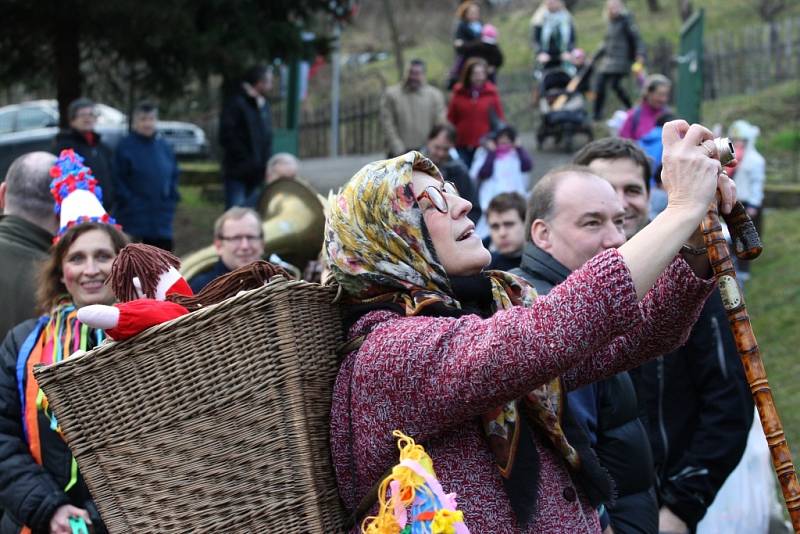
(330, 173)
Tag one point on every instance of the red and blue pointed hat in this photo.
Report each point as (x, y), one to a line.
(77, 194)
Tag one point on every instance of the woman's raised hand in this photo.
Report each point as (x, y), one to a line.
(691, 176)
(692, 172)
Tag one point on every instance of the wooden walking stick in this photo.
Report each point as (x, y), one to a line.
(747, 245)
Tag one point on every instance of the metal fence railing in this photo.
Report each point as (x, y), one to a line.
(752, 59)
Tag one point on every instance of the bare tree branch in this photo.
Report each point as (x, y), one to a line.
(395, 35)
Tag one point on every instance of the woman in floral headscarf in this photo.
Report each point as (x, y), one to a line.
(471, 364)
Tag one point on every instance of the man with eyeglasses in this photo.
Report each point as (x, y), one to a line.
(239, 241)
(86, 142)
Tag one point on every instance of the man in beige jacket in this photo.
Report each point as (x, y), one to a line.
(409, 110)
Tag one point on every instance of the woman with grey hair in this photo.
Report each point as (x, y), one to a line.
(472, 364)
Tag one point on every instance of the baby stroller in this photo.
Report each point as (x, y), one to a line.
(562, 107)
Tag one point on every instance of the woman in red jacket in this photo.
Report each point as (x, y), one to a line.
(474, 106)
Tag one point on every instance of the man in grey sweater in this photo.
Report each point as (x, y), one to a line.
(409, 110)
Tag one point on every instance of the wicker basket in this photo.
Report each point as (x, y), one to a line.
(214, 422)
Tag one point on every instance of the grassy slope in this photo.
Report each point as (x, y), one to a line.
(775, 112)
(773, 298)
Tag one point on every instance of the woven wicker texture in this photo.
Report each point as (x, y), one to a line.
(215, 422)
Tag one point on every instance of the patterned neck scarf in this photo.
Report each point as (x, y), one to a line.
(377, 251)
(54, 338)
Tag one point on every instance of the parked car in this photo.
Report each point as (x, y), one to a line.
(32, 126)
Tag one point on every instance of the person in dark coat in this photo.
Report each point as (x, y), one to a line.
(469, 25)
(245, 134)
(572, 216)
(40, 486)
(26, 233)
(439, 148)
(467, 32)
(146, 181)
(487, 49)
(694, 401)
(83, 139)
(623, 45)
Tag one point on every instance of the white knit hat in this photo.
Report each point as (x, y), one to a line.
(741, 129)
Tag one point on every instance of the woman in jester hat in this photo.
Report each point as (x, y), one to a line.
(472, 366)
(40, 485)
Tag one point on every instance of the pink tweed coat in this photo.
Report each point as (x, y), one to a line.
(432, 377)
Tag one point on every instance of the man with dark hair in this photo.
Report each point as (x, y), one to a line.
(146, 181)
(694, 401)
(26, 233)
(245, 134)
(83, 139)
(573, 215)
(627, 168)
(505, 216)
(408, 111)
(438, 147)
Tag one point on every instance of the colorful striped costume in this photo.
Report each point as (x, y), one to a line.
(54, 338)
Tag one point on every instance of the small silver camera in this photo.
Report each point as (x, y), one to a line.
(725, 150)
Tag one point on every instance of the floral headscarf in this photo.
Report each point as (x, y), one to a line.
(374, 236)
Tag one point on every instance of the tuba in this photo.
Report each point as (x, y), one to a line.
(293, 216)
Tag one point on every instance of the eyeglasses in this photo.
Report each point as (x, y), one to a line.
(436, 195)
(251, 239)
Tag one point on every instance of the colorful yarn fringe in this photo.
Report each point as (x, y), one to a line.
(53, 339)
(411, 500)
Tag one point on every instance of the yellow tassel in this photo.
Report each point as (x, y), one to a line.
(444, 521)
(380, 524)
(409, 450)
(410, 482)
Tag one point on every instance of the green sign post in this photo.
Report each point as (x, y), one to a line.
(286, 139)
(690, 69)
